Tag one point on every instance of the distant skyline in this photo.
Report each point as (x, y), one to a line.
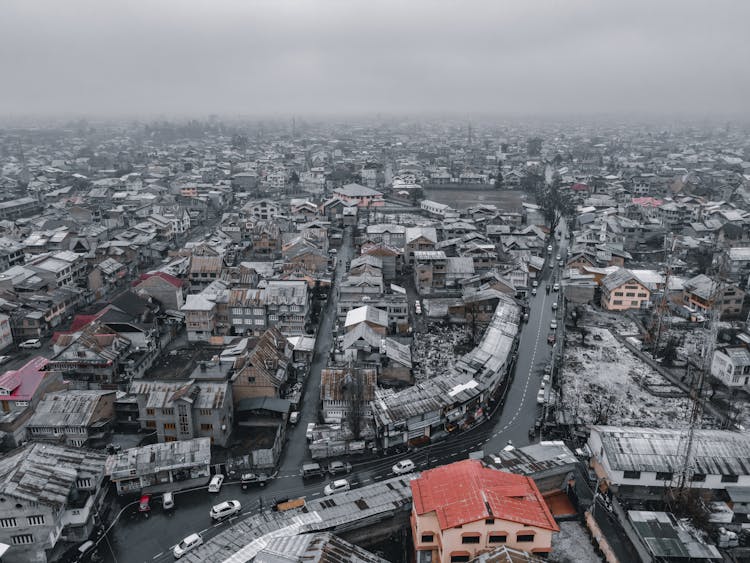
(338, 57)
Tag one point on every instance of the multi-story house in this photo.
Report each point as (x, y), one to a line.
(181, 410)
(287, 306)
(362, 196)
(92, 357)
(347, 393)
(262, 209)
(465, 508)
(50, 494)
(76, 418)
(430, 268)
(621, 290)
(20, 392)
(701, 294)
(166, 289)
(266, 369)
(6, 332)
(418, 239)
(731, 366)
(11, 253)
(200, 317)
(204, 270)
(60, 268)
(137, 468)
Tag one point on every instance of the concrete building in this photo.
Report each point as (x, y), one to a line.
(200, 318)
(48, 494)
(166, 289)
(181, 410)
(465, 508)
(701, 293)
(136, 469)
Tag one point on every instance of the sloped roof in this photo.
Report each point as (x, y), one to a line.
(366, 313)
(467, 491)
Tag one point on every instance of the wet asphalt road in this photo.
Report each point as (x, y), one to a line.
(137, 538)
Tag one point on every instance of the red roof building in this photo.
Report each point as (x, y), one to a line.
(465, 508)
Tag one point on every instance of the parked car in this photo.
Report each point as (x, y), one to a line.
(32, 343)
(404, 466)
(310, 470)
(225, 509)
(554, 306)
(545, 379)
(248, 479)
(540, 397)
(167, 501)
(551, 339)
(337, 486)
(188, 544)
(294, 417)
(558, 258)
(338, 467)
(214, 486)
(535, 283)
(4, 359)
(553, 324)
(556, 287)
(309, 432)
(144, 505)
(533, 291)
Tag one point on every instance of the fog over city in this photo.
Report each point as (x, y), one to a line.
(339, 57)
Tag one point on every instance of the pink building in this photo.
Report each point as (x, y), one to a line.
(621, 291)
(464, 509)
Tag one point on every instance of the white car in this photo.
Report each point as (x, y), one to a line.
(215, 485)
(167, 501)
(556, 287)
(545, 379)
(33, 343)
(540, 397)
(558, 257)
(553, 324)
(225, 509)
(554, 306)
(188, 544)
(535, 284)
(337, 486)
(404, 466)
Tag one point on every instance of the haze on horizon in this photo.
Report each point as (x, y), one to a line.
(181, 57)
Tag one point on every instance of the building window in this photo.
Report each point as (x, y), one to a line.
(84, 483)
(632, 474)
(150, 412)
(428, 538)
(618, 293)
(251, 379)
(642, 295)
(474, 538)
(169, 426)
(207, 427)
(663, 475)
(459, 558)
(617, 302)
(729, 478)
(25, 539)
(497, 538)
(184, 426)
(35, 520)
(7, 523)
(206, 412)
(526, 538)
(698, 477)
(630, 295)
(489, 521)
(167, 412)
(170, 439)
(150, 424)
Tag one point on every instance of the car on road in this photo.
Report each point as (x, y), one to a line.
(310, 470)
(540, 397)
(551, 339)
(339, 467)
(294, 417)
(535, 283)
(548, 369)
(561, 263)
(337, 486)
(188, 544)
(533, 291)
(549, 249)
(545, 379)
(31, 343)
(247, 479)
(167, 501)
(554, 306)
(215, 485)
(556, 287)
(558, 258)
(404, 466)
(4, 359)
(553, 324)
(309, 431)
(225, 509)
(417, 307)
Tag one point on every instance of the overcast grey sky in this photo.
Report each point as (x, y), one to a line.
(324, 56)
